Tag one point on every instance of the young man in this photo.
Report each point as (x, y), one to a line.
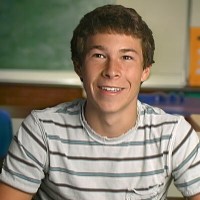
(109, 146)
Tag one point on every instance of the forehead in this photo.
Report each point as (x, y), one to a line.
(113, 40)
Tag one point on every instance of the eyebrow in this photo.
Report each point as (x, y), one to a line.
(124, 50)
(99, 47)
(128, 50)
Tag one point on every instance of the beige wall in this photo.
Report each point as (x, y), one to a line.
(168, 20)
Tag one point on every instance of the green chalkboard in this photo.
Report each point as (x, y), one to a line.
(36, 34)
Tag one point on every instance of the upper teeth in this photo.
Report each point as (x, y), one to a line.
(112, 89)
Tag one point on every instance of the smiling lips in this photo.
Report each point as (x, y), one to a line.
(111, 89)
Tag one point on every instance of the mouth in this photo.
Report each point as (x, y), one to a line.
(111, 89)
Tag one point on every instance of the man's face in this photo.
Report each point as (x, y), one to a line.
(112, 72)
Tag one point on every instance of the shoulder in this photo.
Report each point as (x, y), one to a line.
(53, 119)
(160, 123)
(73, 107)
(57, 112)
(156, 114)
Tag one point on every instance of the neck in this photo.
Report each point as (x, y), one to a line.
(111, 124)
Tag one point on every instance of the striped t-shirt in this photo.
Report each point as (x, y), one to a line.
(57, 156)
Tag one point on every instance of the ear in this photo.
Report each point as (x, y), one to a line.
(145, 73)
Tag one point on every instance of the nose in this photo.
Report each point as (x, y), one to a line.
(112, 69)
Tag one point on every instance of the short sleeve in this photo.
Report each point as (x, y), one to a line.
(24, 166)
(186, 159)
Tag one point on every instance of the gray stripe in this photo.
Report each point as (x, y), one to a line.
(33, 136)
(21, 176)
(28, 153)
(104, 174)
(124, 144)
(186, 184)
(195, 150)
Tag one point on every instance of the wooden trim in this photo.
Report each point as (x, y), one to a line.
(20, 99)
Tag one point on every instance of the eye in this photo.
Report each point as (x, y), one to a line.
(98, 55)
(127, 57)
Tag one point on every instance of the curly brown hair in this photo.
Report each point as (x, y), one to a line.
(112, 19)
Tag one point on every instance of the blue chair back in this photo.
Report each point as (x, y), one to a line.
(5, 132)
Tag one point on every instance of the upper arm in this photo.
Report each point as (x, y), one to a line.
(9, 193)
(195, 197)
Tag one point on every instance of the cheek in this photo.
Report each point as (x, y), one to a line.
(134, 76)
(88, 79)
(91, 72)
